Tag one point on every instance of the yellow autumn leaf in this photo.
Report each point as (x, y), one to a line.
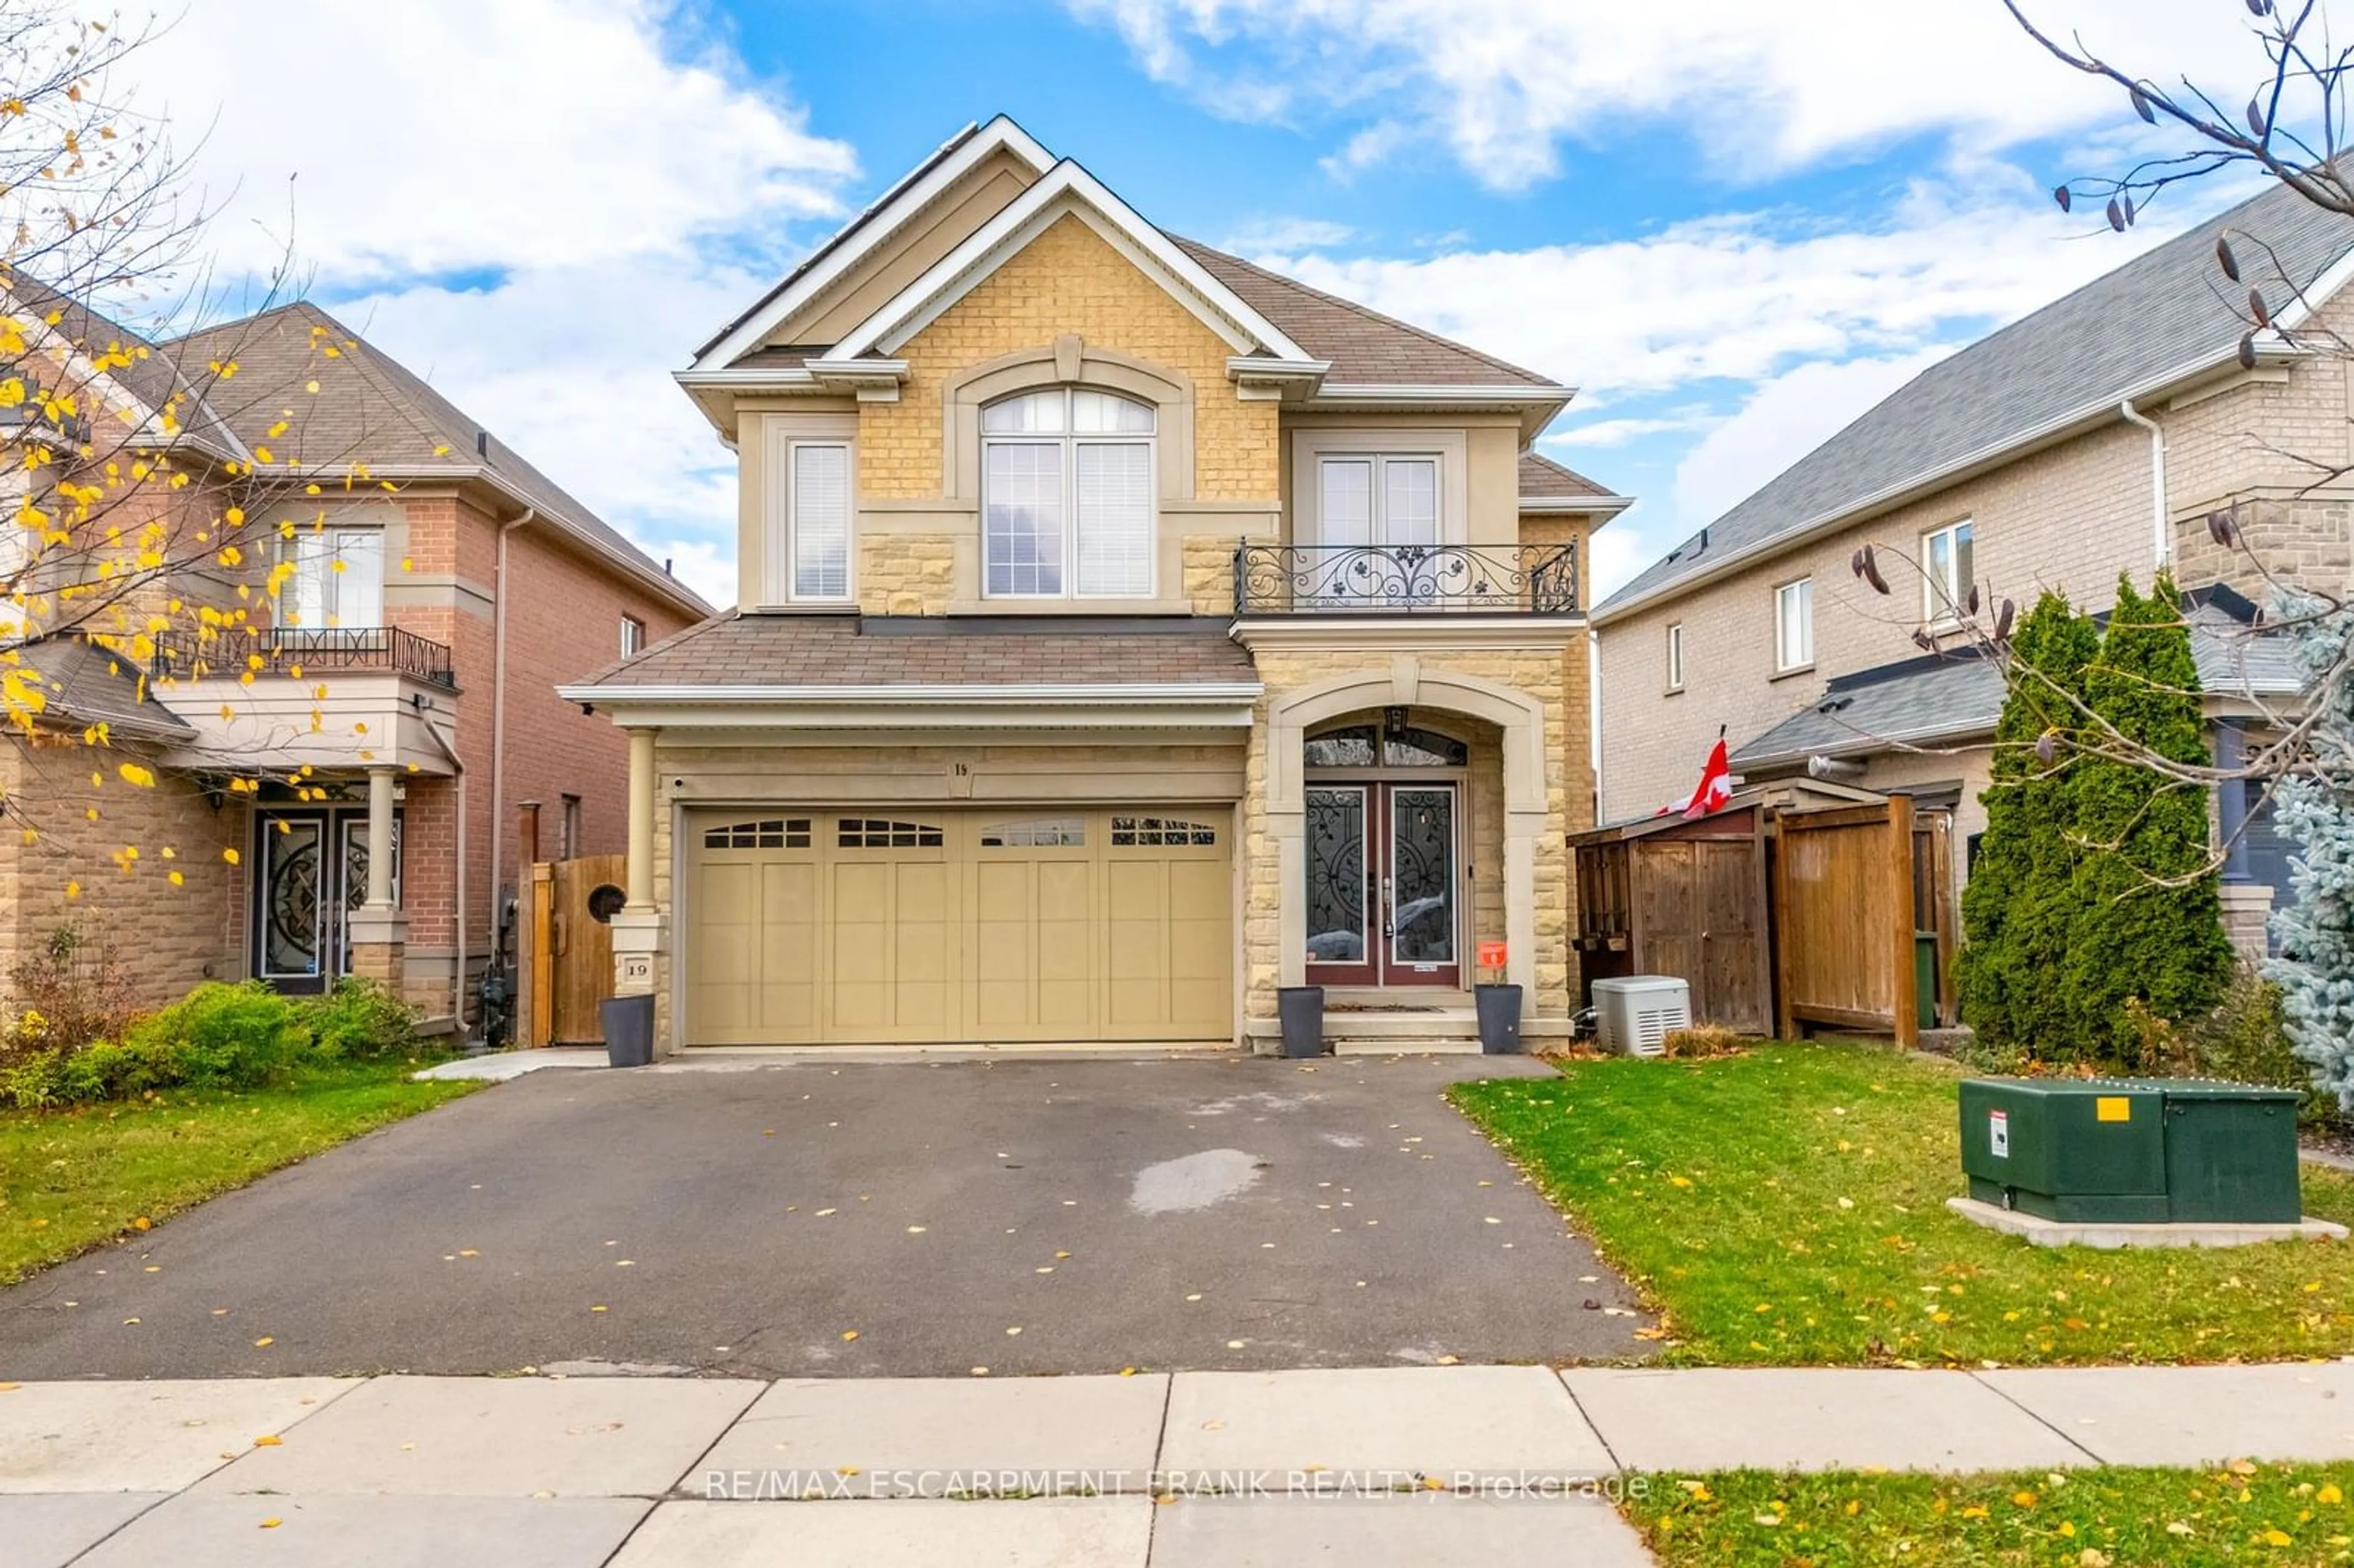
(229, 855)
(2330, 1493)
(272, 1522)
(2274, 1538)
(270, 1441)
(264, 1343)
(131, 773)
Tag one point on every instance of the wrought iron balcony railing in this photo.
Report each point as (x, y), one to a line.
(285, 649)
(1527, 579)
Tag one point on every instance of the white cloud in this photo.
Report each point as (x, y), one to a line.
(541, 205)
(441, 136)
(1501, 83)
(1287, 233)
(1619, 433)
(1788, 418)
(1741, 297)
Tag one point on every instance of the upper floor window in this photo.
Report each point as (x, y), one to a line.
(818, 515)
(1794, 624)
(1377, 498)
(1676, 656)
(1067, 496)
(338, 578)
(633, 636)
(1944, 571)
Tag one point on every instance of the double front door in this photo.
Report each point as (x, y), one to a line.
(1383, 873)
(312, 868)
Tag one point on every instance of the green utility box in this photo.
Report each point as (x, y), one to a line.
(2132, 1152)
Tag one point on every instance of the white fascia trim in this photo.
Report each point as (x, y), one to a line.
(1064, 187)
(1549, 503)
(1342, 395)
(643, 571)
(796, 379)
(1262, 367)
(889, 213)
(2087, 417)
(1093, 696)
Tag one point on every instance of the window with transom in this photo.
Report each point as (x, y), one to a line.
(1067, 496)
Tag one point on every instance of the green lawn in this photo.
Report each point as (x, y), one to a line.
(2290, 1515)
(1786, 1206)
(72, 1179)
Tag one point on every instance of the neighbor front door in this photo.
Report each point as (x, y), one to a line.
(312, 872)
(1381, 884)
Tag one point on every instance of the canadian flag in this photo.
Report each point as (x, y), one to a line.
(1715, 788)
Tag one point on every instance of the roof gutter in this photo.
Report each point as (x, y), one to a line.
(2088, 416)
(1155, 694)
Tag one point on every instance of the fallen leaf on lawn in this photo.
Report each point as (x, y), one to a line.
(2274, 1538)
(2330, 1493)
(1699, 1491)
(2024, 1500)
(2240, 1468)
(2176, 1527)
(1768, 1519)
(2092, 1557)
(143, 1223)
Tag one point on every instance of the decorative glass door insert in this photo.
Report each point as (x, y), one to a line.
(1382, 903)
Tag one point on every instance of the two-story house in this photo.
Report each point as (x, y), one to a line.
(1125, 632)
(2090, 438)
(341, 680)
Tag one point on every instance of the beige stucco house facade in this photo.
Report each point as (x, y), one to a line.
(2089, 440)
(1125, 632)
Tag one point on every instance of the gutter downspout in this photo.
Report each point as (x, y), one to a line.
(499, 707)
(2161, 534)
(458, 794)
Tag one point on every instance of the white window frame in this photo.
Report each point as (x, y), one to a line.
(1783, 662)
(1311, 446)
(1069, 441)
(331, 615)
(1941, 599)
(634, 637)
(794, 447)
(1675, 655)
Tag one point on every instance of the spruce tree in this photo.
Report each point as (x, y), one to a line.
(2017, 907)
(2315, 966)
(2149, 918)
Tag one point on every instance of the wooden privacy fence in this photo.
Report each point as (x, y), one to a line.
(567, 964)
(1844, 918)
(1672, 897)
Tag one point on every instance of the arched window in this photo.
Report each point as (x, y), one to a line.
(1067, 496)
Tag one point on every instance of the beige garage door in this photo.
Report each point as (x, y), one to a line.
(894, 925)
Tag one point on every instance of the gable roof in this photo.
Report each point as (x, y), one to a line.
(1364, 346)
(153, 377)
(2158, 319)
(373, 409)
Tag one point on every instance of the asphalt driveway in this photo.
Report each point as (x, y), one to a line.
(874, 1219)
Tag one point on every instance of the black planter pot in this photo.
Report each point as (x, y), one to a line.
(1500, 1019)
(629, 1022)
(1301, 1009)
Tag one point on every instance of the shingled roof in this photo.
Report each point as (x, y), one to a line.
(849, 651)
(1543, 477)
(370, 408)
(1364, 348)
(2158, 318)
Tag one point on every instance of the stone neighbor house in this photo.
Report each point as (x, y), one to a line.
(1125, 632)
(384, 715)
(2092, 438)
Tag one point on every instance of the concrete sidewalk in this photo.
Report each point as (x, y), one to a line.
(1421, 1465)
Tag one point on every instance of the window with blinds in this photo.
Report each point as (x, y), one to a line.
(1377, 499)
(820, 520)
(1067, 496)
(337, 580)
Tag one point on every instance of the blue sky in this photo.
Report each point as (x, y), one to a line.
(1733, 225)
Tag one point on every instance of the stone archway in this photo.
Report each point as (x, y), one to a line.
(1409, 682)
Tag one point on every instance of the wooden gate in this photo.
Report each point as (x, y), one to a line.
(572, 947)
(1844, 920)
(1672, 897)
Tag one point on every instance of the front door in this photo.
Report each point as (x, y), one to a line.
(1382, 879)
(312, 872)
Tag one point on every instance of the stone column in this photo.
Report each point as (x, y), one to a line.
(377, 931)
(640, 928)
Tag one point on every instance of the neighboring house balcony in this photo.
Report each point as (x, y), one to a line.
(277, 698)
(1414, 579)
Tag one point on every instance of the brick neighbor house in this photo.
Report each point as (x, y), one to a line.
(385, 711)
(1125, 632)
(2089, 439)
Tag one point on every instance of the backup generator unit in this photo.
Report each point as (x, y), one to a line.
(2132, 1152)
(1634, 1016)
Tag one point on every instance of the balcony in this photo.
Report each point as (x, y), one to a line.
(1409, 580)
(293, 650)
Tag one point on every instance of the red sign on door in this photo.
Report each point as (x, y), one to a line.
(1492, 955)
